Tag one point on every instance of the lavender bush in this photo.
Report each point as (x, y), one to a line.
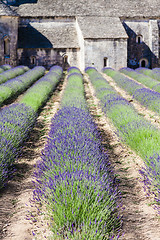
(156, 70)
(149, 98)
(4, 68)
(73, 70)
(123, 81)
(12, 73)
(145, 71)
(140, 77)
(16, 121)
(134, 130)
(40, 91)
(17, 85)
(154, 73)
(150, 175)
(75, 180)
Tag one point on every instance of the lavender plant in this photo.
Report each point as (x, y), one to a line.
(140, 77)
(150, 175)
(154, 73)
(75, 180)
(40, 91)
(16, 121)
(73, 70)
(17, 85)
(149, 98)
(12, 73)
(145, 71)
(133, 129)
(156, 70)
(4, 68)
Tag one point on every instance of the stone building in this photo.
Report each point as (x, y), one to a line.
(82, 33)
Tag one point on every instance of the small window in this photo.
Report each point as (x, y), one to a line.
(33, 60)
(139, 39)
(6, 47)
(105, 62)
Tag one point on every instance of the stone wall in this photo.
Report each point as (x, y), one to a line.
(114, 51)
(8, 29)
(47, 57)
(143, 42)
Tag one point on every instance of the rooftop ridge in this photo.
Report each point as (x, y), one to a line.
(110, 8)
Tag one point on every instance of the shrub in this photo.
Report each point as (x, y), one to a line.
(16, 121)
(74, 179)
(17, 85)
(11, 73)
(140, 77)
(149, 98)
(133, 129)
(40, 91)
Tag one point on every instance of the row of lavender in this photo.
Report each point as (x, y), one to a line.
(17, 85)
(154, 73)
(147, 97)
(133, 129)
(12, 73)
(142, 78)
(75, 181)
(4, 67)
(17, 120)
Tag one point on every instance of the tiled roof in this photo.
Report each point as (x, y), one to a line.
(6, 10)
(108, 8)
(101, 27)
(48, 35)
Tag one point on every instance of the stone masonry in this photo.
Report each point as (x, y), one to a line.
(80, 33)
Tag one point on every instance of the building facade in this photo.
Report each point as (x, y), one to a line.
(80, 33)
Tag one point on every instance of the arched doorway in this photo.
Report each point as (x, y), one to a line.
(33, 60)
(65, 62)
(143, 63)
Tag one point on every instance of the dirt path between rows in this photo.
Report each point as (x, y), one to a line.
(140, 220)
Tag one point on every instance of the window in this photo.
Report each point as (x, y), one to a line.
(105, 62)
(139, 39)
(33, 60)
(6, 47)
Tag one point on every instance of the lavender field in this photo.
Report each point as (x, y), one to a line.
(75, 184)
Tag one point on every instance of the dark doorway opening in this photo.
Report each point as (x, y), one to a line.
(105, 62)
(143, 63)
